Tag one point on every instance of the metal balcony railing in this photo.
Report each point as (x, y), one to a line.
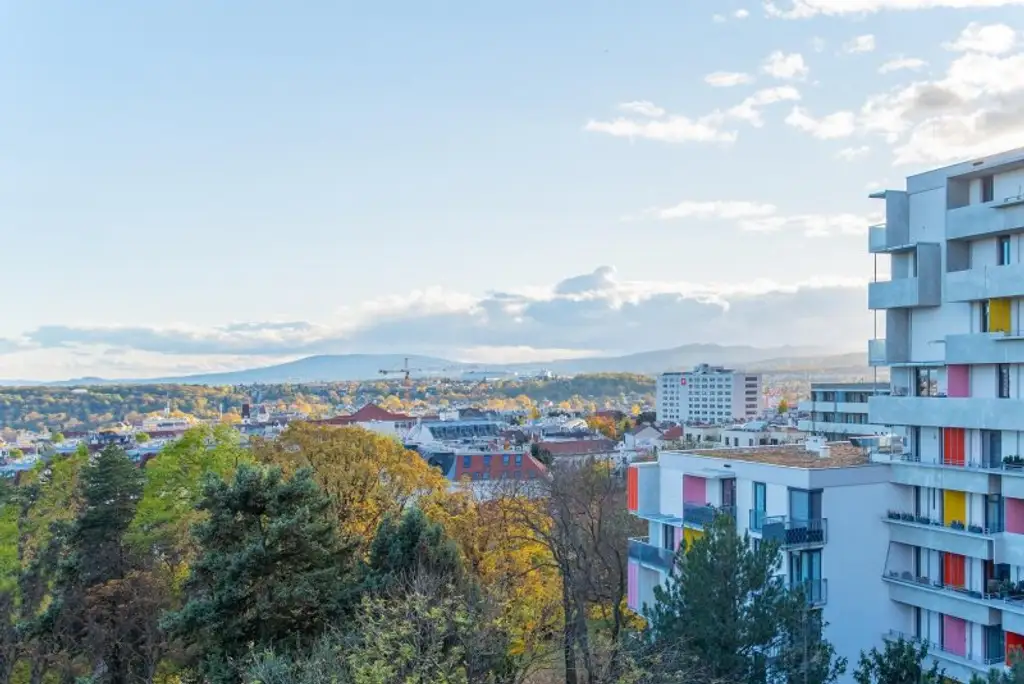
(794, 532)
(648, 554)
(701, 515)
(934, 648)
(814, 590)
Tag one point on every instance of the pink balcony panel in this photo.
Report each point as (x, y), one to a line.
(633, 585)
(1014, 515)
(954, 635)
(695, 490)
(959, 381)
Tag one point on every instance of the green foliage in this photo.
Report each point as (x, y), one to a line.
(727, 616)
(141, 437)
(900, 662)
(272, 572)
(408, 546)
(1014, 675)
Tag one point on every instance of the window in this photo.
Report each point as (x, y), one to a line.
(487, 461)
(985, 316)
(467, 461)
(988, 188)
(927, 382)
(1004, 380)
(1004, 250)
(994, 513)
(805, 505)
(519, 459)
(668, 537)
(760, 505)
(505, 459)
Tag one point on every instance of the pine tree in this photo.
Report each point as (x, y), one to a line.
(900, 662)
(271, 570)
(404, 547)
(728, 616)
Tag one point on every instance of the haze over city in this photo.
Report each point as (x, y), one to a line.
(190, 188)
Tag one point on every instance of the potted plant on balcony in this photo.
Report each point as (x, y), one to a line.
(956, 525)
(893, 515)
(1013, 462)
(976, 529)
(907, 517)
(923, 520)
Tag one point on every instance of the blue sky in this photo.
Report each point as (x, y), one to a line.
(187, 186)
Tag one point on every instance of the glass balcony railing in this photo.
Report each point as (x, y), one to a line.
(701, 515)
(795, 533)
(757, 519)
(641, 550)
(814, 590)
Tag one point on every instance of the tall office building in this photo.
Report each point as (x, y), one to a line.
(952, 321)
(708, 394)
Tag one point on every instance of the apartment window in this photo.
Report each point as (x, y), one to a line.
(991, 448)
(988, 188)
(467, 461)
(994, 513)
(668, 537)
(505, 459)
(927, 382)
(805, 505)
(729, 492)
(1003, 370)
(760, 505)
(519, 459)
(1004, 250)
(487, 462)
(986, 316)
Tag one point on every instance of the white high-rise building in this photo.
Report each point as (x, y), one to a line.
(708, 394)
(954, 342)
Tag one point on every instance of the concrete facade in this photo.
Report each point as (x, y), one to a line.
(708, 395)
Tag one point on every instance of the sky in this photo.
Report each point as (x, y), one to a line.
(189, 186)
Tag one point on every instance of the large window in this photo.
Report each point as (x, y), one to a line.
(805, 505)
(988, 188)
(760, 505)
(927, 382)
(1004, 380)
(1004, 250)
(986, 316)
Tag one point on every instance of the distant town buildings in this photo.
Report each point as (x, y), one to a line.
(839, 410)
(708, 394)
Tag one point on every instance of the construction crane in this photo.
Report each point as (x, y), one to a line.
(406, 381)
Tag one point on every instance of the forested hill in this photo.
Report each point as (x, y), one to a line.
(65, 408)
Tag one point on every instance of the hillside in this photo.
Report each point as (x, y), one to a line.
(349, 367)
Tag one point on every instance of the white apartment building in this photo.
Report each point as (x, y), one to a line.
(707, 395)
(954, 341)
(839, 410)
(825, 505)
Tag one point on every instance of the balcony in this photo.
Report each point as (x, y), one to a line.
(924, 592)
(966, 412)
(965, 540)
(794, 533)
(701, 515)
(650, 555)
(985, 348)
(883, 241)
(960, 666)
(814, 590)
(985, 220)
(987, 282)
(902, 293)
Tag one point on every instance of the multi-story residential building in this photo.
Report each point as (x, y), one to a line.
(708, 394)
(824, 503)
(954, 341)
(839, 410)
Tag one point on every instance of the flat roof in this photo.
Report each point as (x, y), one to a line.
(841, 455)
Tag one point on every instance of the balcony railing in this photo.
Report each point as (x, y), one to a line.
(814, 590)
(648, 554)
(939, 649)
(795, 533)
(701, 515)
(956, 525)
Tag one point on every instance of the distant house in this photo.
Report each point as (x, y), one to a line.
(373, 417)
(578, 449)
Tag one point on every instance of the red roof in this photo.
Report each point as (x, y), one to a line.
(674, 432)
(578, 447)
(366, 414)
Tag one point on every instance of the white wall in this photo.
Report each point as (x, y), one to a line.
(853, 561)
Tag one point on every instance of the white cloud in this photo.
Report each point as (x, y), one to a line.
(837, 125)
(762, 217)
(902, 64)
(802, 9)
(718, 18)
(643, 108)
(785, 66)
(741, 14)
(818, 44)
(709, 128)
(994, 39)
(728, 79)
(749, 110)
(852, 153)
(716, 210)
(865, 43)
(675, 129)
(586, 314)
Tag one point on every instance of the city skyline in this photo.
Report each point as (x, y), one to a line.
(191, 189)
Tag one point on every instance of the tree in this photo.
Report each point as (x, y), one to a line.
(579, 514)
(409, 545)
(141, 437)
(365, 475)
(1014, 675)
(901, 661)
(272, 571)
(783, 406)
(727, 611)
(603, 424)
(57, 438)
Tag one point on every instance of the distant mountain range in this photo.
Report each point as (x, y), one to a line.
(338, 367)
